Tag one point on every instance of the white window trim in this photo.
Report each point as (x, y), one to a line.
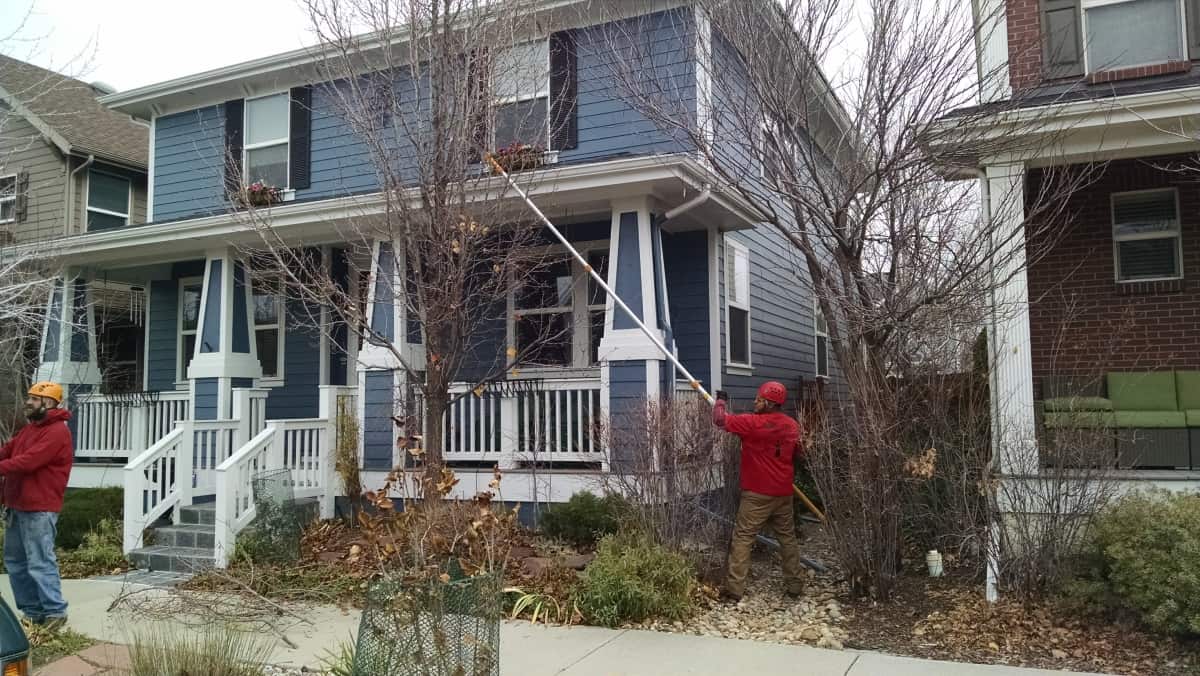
(286, 139)
(280, 361)
(817, 334)
(731, 248)
(546, 93)
(580, 310)
(87, 196)
(1085, 5)
(1117, 239)
(772, 128)
(12, 198)
(180, 368)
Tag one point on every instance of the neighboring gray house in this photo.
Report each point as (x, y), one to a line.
(68, 166)
(229, 391)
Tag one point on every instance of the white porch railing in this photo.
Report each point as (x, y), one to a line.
(152, 484)
(305, 447)
(556, 421)
(122, 426)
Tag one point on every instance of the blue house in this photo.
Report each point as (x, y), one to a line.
(232, 386)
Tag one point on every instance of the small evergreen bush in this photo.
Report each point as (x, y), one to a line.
(584, 519)
(633, 579)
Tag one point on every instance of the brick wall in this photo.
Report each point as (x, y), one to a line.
(1024, 44)
(1082, 322)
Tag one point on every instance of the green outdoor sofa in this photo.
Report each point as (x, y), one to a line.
(1151, 419)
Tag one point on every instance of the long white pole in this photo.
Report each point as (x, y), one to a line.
(600, 280)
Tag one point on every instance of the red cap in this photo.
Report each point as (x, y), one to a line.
(773, 391)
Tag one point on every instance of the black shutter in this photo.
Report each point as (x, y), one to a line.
(564, 92)
(1062, 48)
(1192, 13)
(21, 205)
(300, 143)
(234, 122)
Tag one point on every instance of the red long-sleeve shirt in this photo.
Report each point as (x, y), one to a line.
(769, 440)
(36, 463)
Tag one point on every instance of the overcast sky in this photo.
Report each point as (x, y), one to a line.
(139, 42)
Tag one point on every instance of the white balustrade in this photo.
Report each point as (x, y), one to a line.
(122, 426)
(213, 441)
(152, 483)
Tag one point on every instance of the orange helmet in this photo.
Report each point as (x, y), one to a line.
(47, 389)
(773, 391)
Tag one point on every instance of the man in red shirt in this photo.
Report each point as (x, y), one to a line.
(35, 465)
(769, 440)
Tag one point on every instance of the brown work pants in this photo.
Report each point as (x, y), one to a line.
(755, 511)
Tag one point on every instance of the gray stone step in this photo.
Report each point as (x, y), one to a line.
(200, 536)
(200, 514)
(173, 559)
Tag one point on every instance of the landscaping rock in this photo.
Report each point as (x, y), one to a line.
(534, 566)
(578, 561)
(520, 553)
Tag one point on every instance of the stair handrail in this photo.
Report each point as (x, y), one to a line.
(152, 483)
(234, 489)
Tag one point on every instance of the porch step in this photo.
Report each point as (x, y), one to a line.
(204, 514)
(172, 559)
(199, 536)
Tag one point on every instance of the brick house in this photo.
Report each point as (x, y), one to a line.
(1104, 317)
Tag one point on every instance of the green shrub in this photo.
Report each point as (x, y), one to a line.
(217, 651)
(83, 509)
(633, 579)
(584, 518)
(98, 554)
(1144, 556)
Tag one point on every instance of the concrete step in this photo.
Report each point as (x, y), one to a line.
(172, 559)
(204, 514)
(200, 536)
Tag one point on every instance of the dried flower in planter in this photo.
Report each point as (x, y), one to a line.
(519, 157)
(259, 194)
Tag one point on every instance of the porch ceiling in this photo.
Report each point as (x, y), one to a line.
(568, 192)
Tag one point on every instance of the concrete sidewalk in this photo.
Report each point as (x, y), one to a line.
(545, 651)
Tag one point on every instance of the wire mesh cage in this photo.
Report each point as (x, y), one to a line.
(274, 537)
(438, 627)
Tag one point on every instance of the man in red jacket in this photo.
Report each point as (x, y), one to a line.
(35, 465)
(769, 440)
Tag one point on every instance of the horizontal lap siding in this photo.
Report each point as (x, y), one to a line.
(189, 163)
(378, 409)
(299, 396)
(163, 334)
(23, 149)
(685, 256)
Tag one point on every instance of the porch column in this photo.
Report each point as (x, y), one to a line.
(1014, 432)
(381, 377)
(632, 367)
(69, 337)
(225, 356)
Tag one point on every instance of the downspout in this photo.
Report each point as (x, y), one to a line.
(71, 191)
(685, 207)
(993, 558)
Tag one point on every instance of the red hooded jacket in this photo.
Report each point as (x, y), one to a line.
(36, 462)
(769, 440)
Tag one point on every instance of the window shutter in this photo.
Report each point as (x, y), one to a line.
(1062, 49)
(564, 92)
(21, 204)
(234, 122)
(300, 143)
(1192, 14)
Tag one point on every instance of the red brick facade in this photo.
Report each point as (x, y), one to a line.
(1082, 322)
(1024, 44)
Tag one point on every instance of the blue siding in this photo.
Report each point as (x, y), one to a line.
(629, 272)
(378, 432)
(383, 318)
(241, 382)
(627, 388)
(206, 399)
(80, 347)
(299, 396)
(241, 330)
(189, 163)
(685, 256)
(54, 323)
(163, 342)
(210, 332)
(339, 334)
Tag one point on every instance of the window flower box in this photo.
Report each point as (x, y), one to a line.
(259, 194)
(520, 157)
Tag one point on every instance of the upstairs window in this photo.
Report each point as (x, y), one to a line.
(522, 95)
(1128, 33)
(8, 198)
(737, 302)
(266, 146)
(107, 201)
(1147, 242)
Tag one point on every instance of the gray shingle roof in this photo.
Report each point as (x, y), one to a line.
(69, 107)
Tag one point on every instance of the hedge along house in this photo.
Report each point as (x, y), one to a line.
(1098, 331)
(232, 385)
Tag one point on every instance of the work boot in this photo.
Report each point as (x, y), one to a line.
(53, 624)
(729, 597)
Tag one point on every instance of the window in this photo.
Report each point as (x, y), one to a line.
(778, 154)
(737, 302)
(821, 332)
(559, 317)
(107, 201)
(189, 321)
(522, 91)
(8, 198)
(266, 146)
(268, 325)
(1127, 33)
(1146, 238)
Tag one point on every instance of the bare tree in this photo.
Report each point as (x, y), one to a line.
(416, 83)
(850, 172)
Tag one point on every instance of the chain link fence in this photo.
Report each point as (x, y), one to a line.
(439, 627)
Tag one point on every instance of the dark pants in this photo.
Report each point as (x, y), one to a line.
(754, 512)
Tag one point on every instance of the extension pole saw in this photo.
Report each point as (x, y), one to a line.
(695, 384)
